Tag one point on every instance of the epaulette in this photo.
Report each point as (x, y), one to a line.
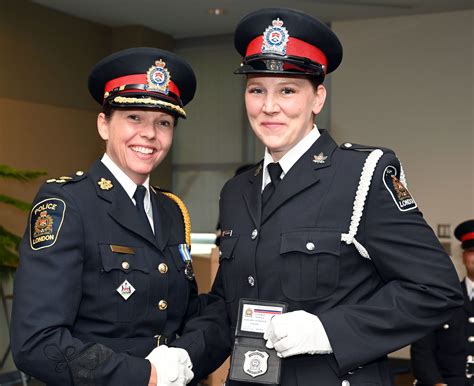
(366, 148)
(79, 175)
(184, 212)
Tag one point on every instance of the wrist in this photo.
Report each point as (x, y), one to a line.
(153, 377)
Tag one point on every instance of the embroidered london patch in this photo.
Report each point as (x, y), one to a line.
(46, 219)
(397, 190)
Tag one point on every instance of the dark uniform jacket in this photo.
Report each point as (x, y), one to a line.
(440, 357)
(70, 326)
(368, 307)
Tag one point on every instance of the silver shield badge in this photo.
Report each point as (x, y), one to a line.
(255, 363)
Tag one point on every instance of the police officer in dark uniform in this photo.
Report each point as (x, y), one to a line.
(105, 273)
(331, 231)
(446, 356)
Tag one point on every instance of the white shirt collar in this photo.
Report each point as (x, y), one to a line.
(291, 157)
(469, 287)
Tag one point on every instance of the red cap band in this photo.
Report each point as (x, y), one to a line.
(294, 47)
(136, 79)
(467, 236)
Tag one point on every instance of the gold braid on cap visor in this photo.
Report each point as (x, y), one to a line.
(186, 218)
(150, 101)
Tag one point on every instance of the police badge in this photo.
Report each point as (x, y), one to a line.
(255, 363)
(158, 77)
(275, 38)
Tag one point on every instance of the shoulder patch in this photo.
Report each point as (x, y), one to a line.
(400, 194)
(46, 219)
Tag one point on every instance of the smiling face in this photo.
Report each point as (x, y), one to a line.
(137, 140)
(281, 110)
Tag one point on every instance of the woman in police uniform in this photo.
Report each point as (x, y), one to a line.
(105, 274)
(329, 230)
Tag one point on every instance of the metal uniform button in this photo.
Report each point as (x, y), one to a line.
(345, 382)
(347, 144)
(445, 326)
(79, 173)
(471, 319)
(163, 268)
(125, 265)
(470, 339)
(251, 281)
(310, 246)
(254, 234)
(220, 253)
(162, 305)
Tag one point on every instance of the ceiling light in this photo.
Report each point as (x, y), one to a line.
(216, 11)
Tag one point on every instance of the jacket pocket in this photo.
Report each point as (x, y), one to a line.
(310, 263)
(124, 283)
(227, 266)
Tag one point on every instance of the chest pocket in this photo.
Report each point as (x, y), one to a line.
(131, 273)
(310, 263)
(226, 265)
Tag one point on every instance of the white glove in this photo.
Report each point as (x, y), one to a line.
(297, 332)
(173, 366)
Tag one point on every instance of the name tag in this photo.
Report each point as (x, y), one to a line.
(122, 249)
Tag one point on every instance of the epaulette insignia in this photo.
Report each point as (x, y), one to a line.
(400, 194)
(185, 213)
(63, 179)
(46, 219)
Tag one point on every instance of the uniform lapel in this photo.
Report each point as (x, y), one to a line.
(161, 219)
(304, 173)
(121, 208)
(252, 194)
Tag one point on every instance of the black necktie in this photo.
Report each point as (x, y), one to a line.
(139, 197)
(275, 170)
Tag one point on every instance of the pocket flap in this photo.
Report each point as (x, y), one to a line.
(123, 261)
(226, 247)
(311, 241)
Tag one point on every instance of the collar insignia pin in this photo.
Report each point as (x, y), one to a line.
(320, 158)
(258, 170)
(105, 184)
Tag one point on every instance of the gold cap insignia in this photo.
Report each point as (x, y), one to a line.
(105, 184)
(320, 158)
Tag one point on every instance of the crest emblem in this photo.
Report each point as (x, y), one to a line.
(249, 312)
(43, 224)
(125, 290)
(158, 77)
(400, 194)
(46, 219)
(275, 38)
(105, 184)
(255, 363)
(320, 158)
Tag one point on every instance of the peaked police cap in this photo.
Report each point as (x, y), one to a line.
(143, 77)
(286, 41)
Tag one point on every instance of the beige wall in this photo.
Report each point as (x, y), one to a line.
(407, 83)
